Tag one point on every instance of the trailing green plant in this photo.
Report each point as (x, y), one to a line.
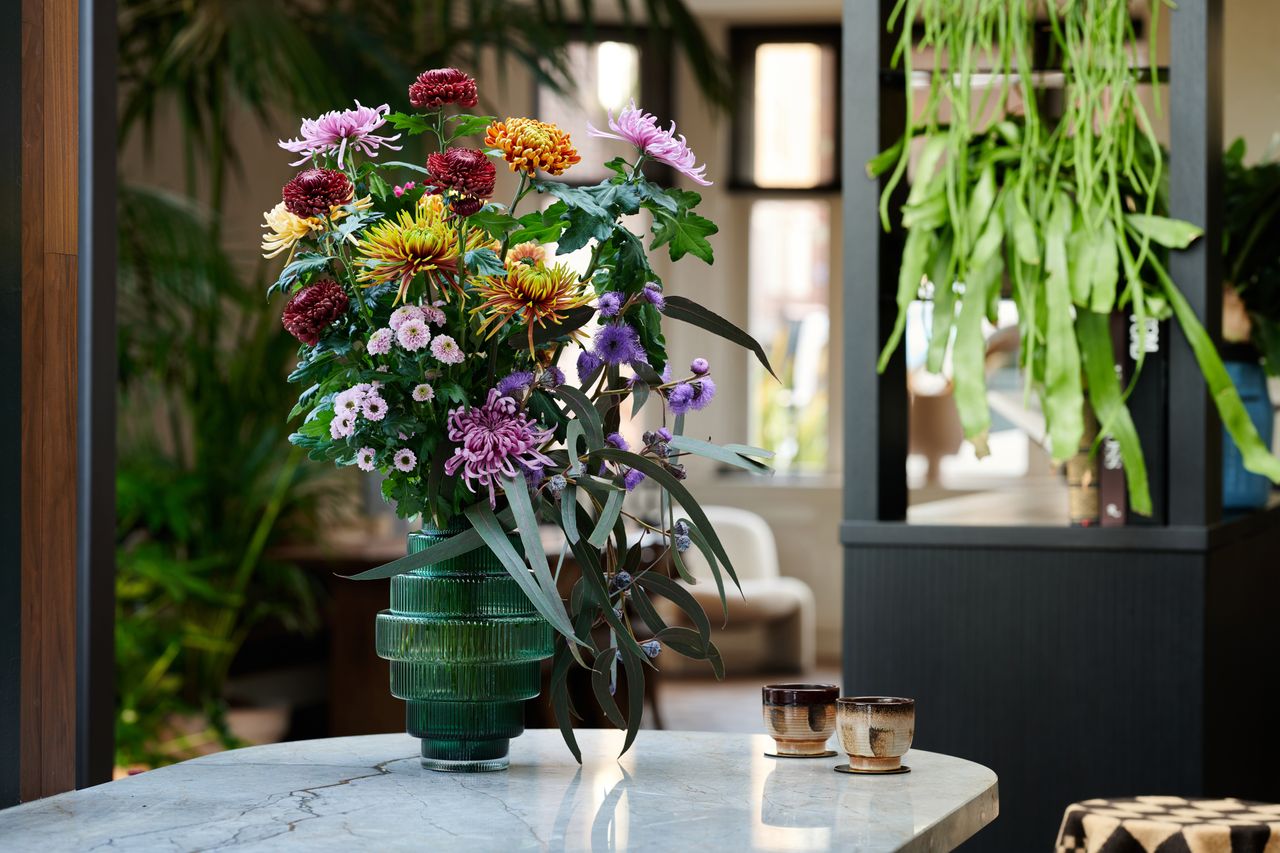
(1251, 245)
(1068, 214)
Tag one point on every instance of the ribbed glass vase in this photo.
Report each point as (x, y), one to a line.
(464, 644)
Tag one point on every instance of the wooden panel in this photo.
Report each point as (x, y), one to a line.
(49, 84)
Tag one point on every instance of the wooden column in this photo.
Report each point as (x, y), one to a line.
(49, 84)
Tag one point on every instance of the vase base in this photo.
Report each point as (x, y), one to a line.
(465, 756)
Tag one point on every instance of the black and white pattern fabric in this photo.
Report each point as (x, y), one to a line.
(1170, 825)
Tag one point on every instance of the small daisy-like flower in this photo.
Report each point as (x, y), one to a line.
(433, 315)
(339, 130)
(609, 304)
(404, 312)
(446, 350)
(424, 393)
(365, 458)
(380, 342)
(405, 460)
(283, 230)
(364, 387)
(413, 335)
(526, 253)
(342, 425)
(617, 343)
(374, 407)
(641, 130)
(529, 145)
(349, 401)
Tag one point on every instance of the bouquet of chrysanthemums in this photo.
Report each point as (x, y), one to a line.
(440, 331)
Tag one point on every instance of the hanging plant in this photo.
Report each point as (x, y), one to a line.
(1067, 215)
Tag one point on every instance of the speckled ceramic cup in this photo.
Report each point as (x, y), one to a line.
(876, 731)
(800, 717)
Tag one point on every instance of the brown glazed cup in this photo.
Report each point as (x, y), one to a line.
(876, 730)
(800, 717)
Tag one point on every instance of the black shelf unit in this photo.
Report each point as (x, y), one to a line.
(1074, 662)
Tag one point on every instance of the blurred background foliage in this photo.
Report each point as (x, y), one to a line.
(206, 482)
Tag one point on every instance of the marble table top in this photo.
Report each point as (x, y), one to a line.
(672, 791)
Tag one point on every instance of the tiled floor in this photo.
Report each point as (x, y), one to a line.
(732, 705)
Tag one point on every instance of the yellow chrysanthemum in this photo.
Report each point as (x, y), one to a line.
(529, 145)
(416, 241)
(535, 293)
(284, 229)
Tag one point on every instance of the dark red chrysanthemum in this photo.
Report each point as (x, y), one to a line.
(440, 86)
(465, 205)
(313, 309)
(315, 191)
(466, 170)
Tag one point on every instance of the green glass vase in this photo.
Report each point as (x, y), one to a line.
(464, 645)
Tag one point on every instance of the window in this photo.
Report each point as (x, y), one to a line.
(786, 131)
(606, 75)
(788, 281)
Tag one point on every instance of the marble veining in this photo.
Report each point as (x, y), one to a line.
(672, 791)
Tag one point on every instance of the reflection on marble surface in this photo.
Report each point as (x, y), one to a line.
(674, 790)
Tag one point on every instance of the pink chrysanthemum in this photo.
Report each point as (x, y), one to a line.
(380, 342)
(446, 350)
(405, 460)
(403, 313)
(348, 402)
(413, 334)
(424, 393)
(374, 407)
(641, 130)
(495, 440)
(433, 315)
(365, 458)
(337, 130)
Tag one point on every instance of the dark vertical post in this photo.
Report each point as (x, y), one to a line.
(875, 422)
(1195, 194)
(10, 426)
(95, 539)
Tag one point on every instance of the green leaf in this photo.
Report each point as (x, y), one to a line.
(608, 515)
(551, 607)
(944, 304)
(1022, 228)
(686, 233)
(600, 684)
(708, 554)
(915, 254)
(719, 454)
(484, 262)
(680, 597)
(1171, 233)
(1094, 333)
(495, 223)
(303, 263)
(587, 414)
(635, 699)
(569, 513)
(1106, 270)
(748, 450)
(969, 357)
(454, 546)
(574, 319)
(468, 125)
(413, 124)
(687, 642)
(517, 491)
(1064, 396)
(981, 201)
(400, 164)
(688, 311)
(378, 186)
(560, 699)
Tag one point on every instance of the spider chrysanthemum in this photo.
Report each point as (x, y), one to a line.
(529, 145)
(416, 242)
(532, 293)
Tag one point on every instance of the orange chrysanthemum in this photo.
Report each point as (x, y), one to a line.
(526, 253)
(421, 241)
(529, 145)
(535, 293)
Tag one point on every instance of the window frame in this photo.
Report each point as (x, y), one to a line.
(743, 41)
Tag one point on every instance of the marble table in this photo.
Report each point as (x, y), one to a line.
(672, 791)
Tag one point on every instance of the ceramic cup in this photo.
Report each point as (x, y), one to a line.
(876, 730)
(800, 717)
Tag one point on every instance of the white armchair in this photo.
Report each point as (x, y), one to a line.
(780, 607)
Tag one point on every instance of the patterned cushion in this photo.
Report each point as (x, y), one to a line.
(1170, 825)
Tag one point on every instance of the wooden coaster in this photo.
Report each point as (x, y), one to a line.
(827, 754)
(845, 768)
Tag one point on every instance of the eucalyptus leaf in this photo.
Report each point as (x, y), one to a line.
(688, 311)
(1170, 233)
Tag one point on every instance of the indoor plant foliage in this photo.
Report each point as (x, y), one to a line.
(1068, 214)
(433, 322)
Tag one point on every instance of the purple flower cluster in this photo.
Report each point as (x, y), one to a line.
(495, 440)
(618, 343)
(695, 395)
